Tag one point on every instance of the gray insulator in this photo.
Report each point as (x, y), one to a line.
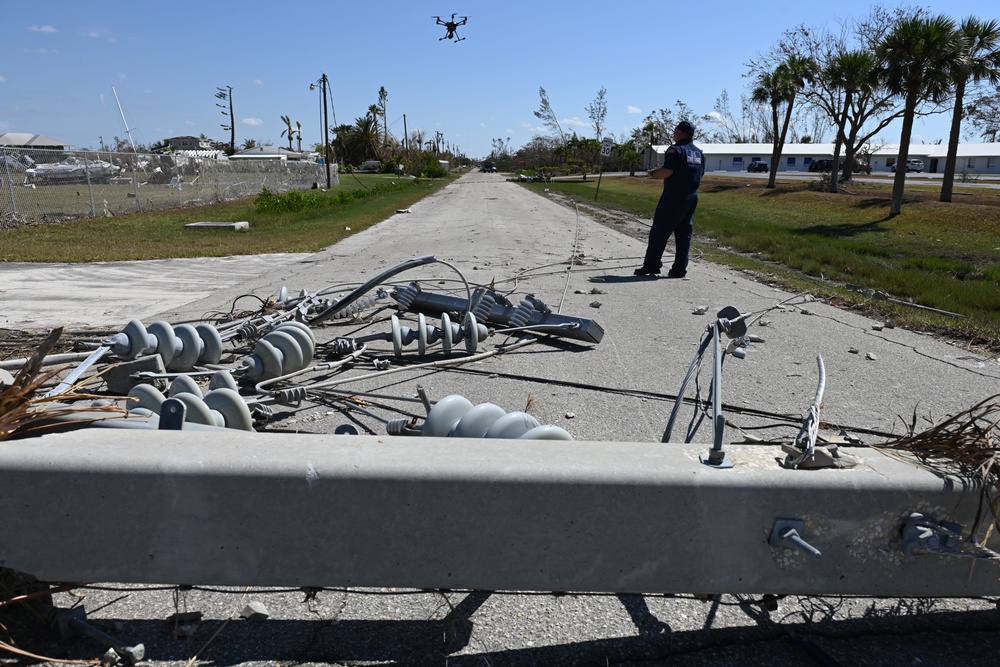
(180, 347)
(455, 416)
(406, 295)
(132, 341)
(343, 346)
(401, 427)
(484, 306)
(521, 315)
(356, 307)
(247, 331)
(288, 348)
(221, 407)
(261, 413)
(291, 395)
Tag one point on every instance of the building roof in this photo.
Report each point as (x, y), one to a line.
(26, 139)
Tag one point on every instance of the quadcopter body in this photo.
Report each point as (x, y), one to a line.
(451, 27)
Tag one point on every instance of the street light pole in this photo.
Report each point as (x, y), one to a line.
(326, 134)
(325, 121)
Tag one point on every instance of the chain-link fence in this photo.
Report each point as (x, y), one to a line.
(41, 185)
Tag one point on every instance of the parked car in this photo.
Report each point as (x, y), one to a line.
(911, 165)
(370, 167)
(821, 165)
(489, 168)
(758, 166)
(862, 167)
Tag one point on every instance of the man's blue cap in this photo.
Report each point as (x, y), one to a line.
(685, 127)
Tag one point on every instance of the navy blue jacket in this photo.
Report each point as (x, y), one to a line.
(688, 164)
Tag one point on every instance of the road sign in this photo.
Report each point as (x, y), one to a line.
(606, 145)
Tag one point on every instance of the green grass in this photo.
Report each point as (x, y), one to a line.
(161, 234)
(940, 256)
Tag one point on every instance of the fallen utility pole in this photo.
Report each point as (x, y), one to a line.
(234, 508)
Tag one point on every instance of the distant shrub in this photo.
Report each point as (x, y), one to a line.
(431, 168)
(286, 202)
(295, 200)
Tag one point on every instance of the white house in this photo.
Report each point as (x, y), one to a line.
(972, 158)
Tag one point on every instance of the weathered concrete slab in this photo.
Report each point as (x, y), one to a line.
(240, 225)
(38, 296)
(237, 509)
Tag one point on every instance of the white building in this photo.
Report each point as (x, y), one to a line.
(972, 158)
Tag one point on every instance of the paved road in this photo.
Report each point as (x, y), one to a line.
(493, 231)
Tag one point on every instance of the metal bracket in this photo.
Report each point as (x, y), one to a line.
(172, 414)
(787, 533)
(943, 538)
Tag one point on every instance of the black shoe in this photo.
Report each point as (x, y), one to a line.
(643, 271)
(676, 274)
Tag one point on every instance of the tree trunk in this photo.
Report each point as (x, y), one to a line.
(836, 144)
(904, 153)
(775, 149)
(948, 180)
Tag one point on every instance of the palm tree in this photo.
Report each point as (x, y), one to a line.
(366, 137)
(288, 130)
(980, 61)
(850, 71)
(917, 59)
(779, 87)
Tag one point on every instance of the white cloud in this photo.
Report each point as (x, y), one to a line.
(575, 122)
(41, 28)
(3, 79)
(258, 82)
(253, 122)
(482, 125)
(121, 76)
(510, 132)
(98, 33)
(101, 99)
(632, 109)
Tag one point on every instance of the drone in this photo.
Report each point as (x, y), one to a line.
(452, 27)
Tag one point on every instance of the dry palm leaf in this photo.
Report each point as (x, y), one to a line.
(21, 409)
(970, 439)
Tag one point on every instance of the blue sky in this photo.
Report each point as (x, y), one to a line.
(165, 60)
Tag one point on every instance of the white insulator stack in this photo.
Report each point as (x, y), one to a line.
(471, 332)
(456, 417)
(181, 347)
(220, 406)
(287, 348)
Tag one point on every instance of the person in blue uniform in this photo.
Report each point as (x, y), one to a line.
(683, 167)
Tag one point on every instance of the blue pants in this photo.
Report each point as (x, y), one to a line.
(671, 217)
